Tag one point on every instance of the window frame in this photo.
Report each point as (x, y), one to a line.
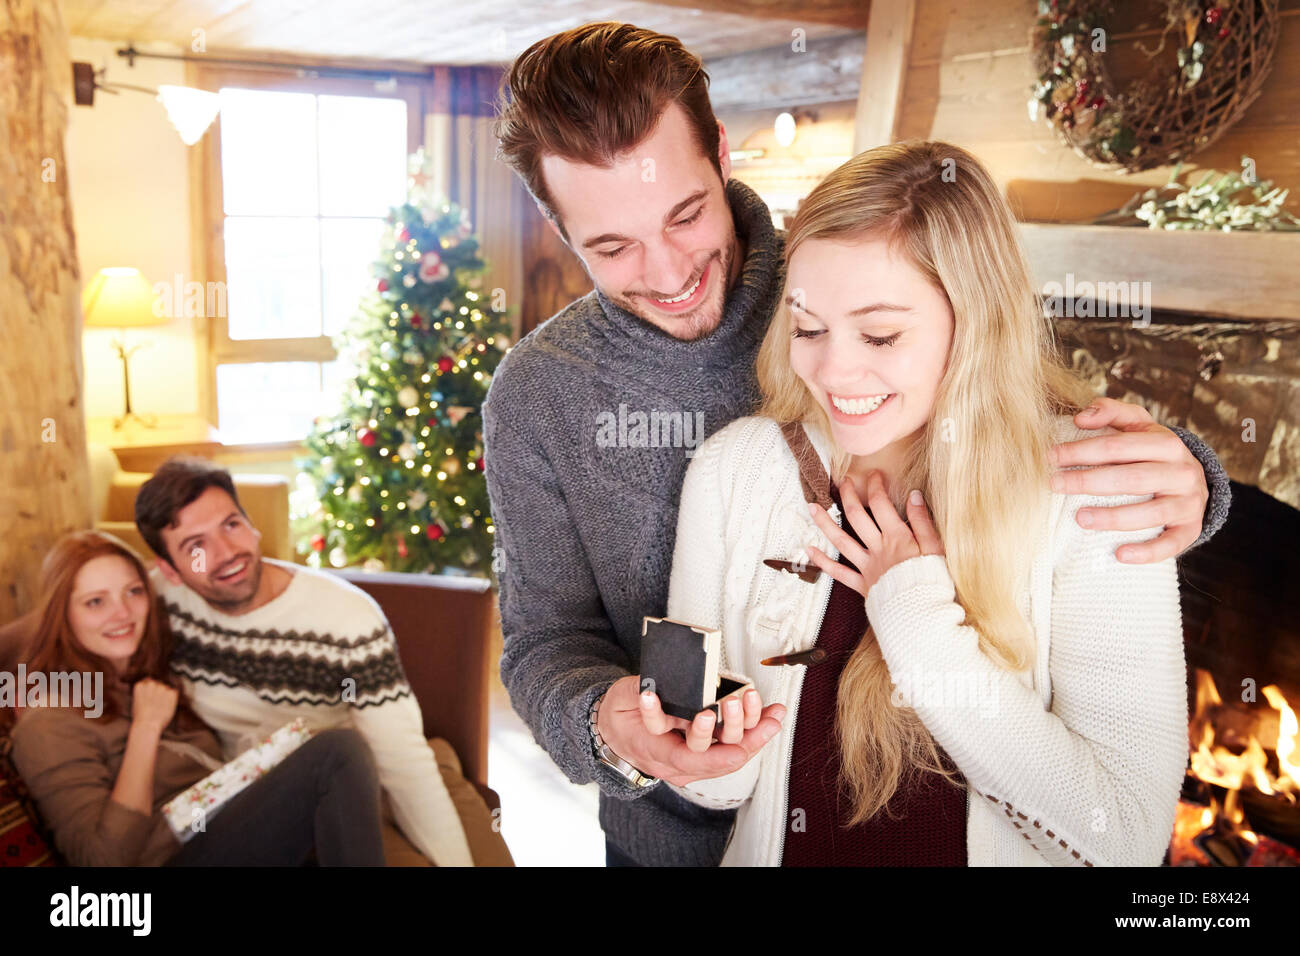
(214, 346)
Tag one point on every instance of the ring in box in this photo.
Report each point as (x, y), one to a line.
(680, 663)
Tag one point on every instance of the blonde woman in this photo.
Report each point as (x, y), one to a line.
(1008, 693)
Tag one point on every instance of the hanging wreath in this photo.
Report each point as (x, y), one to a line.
(1224, 53)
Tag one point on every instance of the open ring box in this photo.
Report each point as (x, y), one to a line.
(680, 663)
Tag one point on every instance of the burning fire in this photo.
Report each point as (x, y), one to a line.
(1220, 827)
(1216, 764)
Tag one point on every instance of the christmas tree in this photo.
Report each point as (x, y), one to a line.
(395, 480)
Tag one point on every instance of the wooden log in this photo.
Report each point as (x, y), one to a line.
(44, 476)
(884, 69)
(825, 70)
(843, 13)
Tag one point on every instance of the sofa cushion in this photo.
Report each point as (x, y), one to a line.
(482, 825)
(22, 840)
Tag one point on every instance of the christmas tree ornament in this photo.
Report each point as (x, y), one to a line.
(432, 268)
(408, 396)
(466, 521)
(318, 543)
(338, 557)
(457, 412)
(406, 451)
(446, 305)
(434, 532)
(354, 494)
(445, 364)
(373, 565)
(450, 465)
(417, 500)
(382, 285)
(412, 357)
(367, 437)
(408, 280)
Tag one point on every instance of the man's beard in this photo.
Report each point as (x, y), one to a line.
(705, 318)
(221, 599)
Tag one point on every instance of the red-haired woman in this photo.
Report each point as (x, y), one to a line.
(101, 771)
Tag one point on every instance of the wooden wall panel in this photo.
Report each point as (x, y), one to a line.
(44, 477)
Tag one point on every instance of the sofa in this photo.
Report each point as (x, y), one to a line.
(443, 627)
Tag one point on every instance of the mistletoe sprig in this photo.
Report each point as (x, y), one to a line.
(1220, 201)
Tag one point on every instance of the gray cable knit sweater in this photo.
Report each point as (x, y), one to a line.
(589, 425)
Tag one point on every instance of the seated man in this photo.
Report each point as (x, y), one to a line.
(260, 642)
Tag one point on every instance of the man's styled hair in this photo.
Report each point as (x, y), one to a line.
(176, 484)
(591, 94)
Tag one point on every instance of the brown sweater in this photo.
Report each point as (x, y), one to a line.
(70, 764)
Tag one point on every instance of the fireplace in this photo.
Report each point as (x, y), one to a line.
(1237, 385)
(1241, 800)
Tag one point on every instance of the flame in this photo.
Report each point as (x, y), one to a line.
(1287, 731)
(1214, 763)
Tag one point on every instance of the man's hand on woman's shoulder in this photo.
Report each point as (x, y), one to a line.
(1144, 458)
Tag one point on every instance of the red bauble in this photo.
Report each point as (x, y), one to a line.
(1223, 34)
(445, 364)
(401, 546)
(382, 285)
(434, 532)
(416, 321)
(404, 235)
(1212, 15)
(366, 437)
(318, 543)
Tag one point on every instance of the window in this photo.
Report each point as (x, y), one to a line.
(298, 185)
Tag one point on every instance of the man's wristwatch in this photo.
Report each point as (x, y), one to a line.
(607, 756)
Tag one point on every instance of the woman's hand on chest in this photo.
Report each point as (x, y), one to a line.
(888, 539)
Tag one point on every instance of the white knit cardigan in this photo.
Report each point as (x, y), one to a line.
(1077, 760)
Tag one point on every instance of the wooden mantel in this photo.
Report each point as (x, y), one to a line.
(1234, 274)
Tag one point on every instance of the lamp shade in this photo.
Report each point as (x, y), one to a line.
(191, 111)
(119, 298)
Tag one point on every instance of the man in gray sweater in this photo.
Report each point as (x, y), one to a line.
(592, 418)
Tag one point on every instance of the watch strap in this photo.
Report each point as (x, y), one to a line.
(605, 754)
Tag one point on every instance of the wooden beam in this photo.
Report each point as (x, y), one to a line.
(840, 13)
(44, 472)
(826, 70)
(1243, 275)
(884, 67)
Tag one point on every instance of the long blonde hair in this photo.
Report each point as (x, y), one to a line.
(982, 460)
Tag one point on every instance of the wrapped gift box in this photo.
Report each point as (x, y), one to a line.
(215, 790)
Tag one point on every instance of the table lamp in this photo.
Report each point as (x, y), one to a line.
(121, 298)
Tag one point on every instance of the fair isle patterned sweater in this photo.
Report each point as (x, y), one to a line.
(322, 650)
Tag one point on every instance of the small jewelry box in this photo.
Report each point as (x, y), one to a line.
(680, 663)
